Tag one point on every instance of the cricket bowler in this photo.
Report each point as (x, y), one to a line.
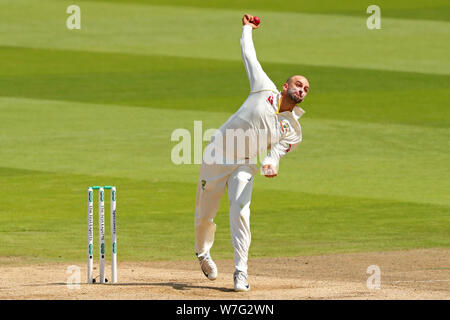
(269, 121)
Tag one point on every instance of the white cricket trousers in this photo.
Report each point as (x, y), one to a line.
(210, 189)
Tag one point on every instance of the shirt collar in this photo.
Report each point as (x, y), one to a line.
(297, 112)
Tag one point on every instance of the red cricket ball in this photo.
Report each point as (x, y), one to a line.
(256, 20)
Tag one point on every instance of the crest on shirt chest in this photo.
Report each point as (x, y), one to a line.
(285, 126)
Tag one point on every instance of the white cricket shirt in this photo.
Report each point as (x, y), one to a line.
(258, 120)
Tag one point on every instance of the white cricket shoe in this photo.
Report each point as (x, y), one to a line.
(208, 266)
(240, 281)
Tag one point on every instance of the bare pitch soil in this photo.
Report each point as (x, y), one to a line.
(413, 274)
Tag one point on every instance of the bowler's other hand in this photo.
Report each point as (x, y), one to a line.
(247, 19)
(269, 171)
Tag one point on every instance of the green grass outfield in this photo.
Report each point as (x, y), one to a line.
(97, 106)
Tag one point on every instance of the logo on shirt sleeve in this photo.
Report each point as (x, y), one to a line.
(270, 99)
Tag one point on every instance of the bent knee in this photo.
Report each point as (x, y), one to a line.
(240, 208)
(202, 222)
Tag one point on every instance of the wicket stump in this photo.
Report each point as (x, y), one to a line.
(101, 229)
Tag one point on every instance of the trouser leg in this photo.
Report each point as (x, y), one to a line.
(209, 194)
(240, 185)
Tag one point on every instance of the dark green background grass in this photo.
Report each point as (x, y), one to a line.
(98, 106)
(169, 82)
(434, 10)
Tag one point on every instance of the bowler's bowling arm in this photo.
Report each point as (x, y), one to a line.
(256, 75)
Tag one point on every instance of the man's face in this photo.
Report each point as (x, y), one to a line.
(297, 88)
